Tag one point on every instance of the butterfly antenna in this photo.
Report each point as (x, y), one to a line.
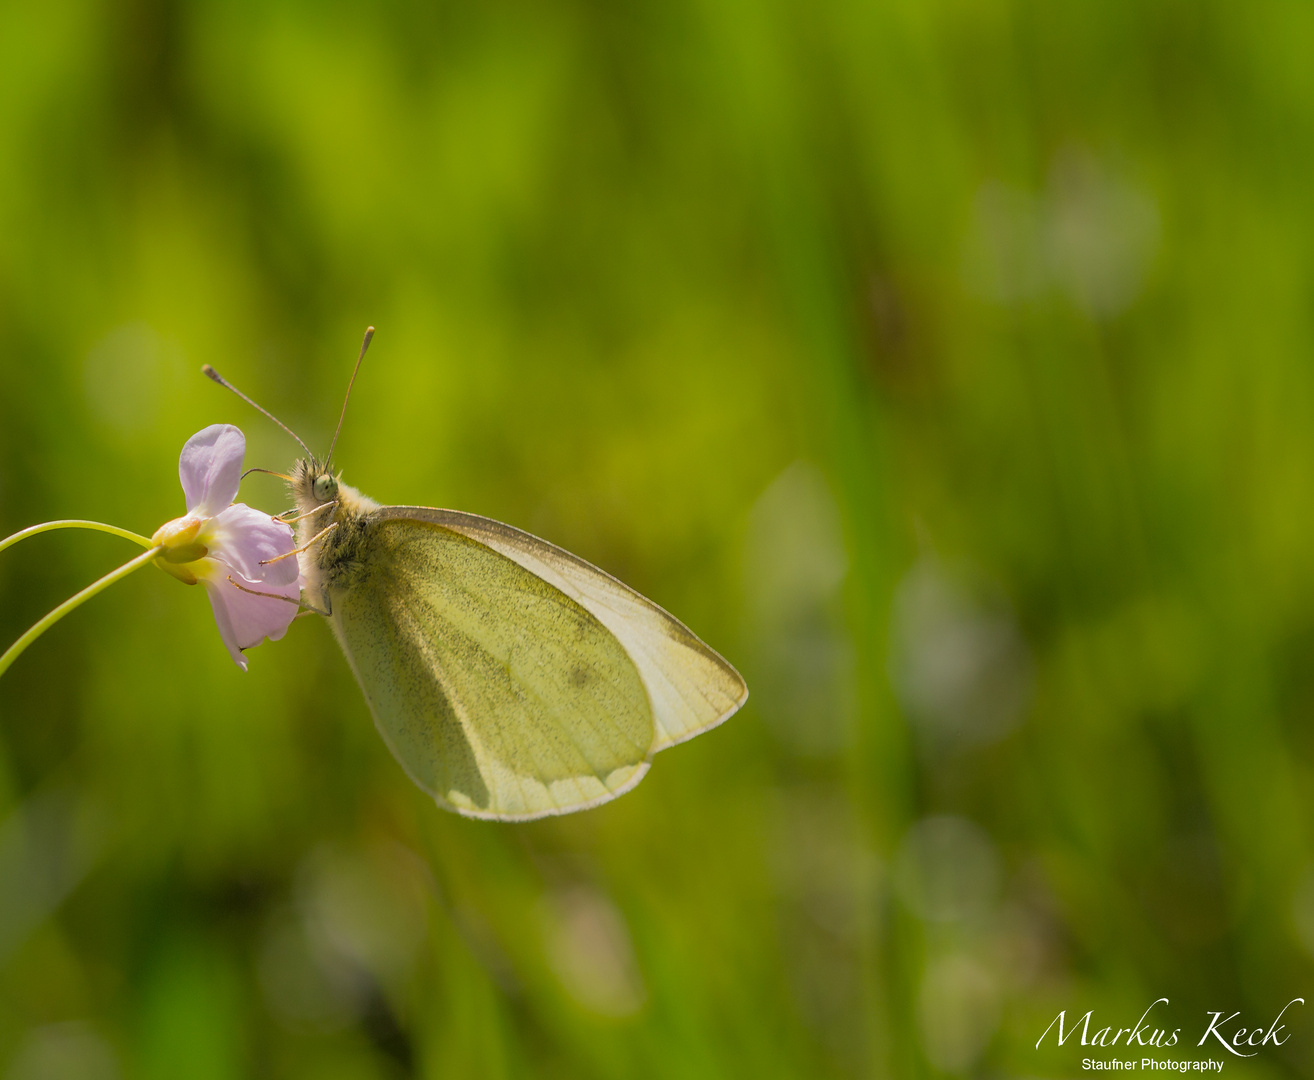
(210, 372)
(364, 345)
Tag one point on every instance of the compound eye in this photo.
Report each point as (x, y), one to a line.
(326, 488)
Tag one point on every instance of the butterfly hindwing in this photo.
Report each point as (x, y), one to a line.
(500, 694)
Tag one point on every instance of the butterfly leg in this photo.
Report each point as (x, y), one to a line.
(297, 551)
(308, 513)
(309, 608)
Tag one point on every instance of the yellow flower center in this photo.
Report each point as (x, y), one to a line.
(179, 531)
(178, 538)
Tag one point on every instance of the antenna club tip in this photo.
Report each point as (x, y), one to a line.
(210, 373)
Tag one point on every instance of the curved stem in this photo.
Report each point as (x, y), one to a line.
(12, 653)
(51, 526)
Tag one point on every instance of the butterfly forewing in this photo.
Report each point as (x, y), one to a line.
(690, 686)
(500, 694)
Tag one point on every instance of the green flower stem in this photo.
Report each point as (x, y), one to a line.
(68, 605)
(51, 526)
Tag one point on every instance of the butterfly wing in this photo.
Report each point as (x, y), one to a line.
(690, 686)
(499, 693)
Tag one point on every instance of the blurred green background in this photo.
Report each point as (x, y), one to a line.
(947, 366)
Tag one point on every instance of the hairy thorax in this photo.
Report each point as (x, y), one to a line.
(335, 560)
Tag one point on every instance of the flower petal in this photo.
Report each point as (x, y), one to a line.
(214, 590)
(244, 538)
(210, 468)
(245, 620)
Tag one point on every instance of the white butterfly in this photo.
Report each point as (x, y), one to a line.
(511, 679)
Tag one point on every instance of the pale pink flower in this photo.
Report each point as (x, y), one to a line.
(228, 546)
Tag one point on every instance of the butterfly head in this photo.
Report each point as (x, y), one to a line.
(322, 496)
(313, 486)
(324, 487)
